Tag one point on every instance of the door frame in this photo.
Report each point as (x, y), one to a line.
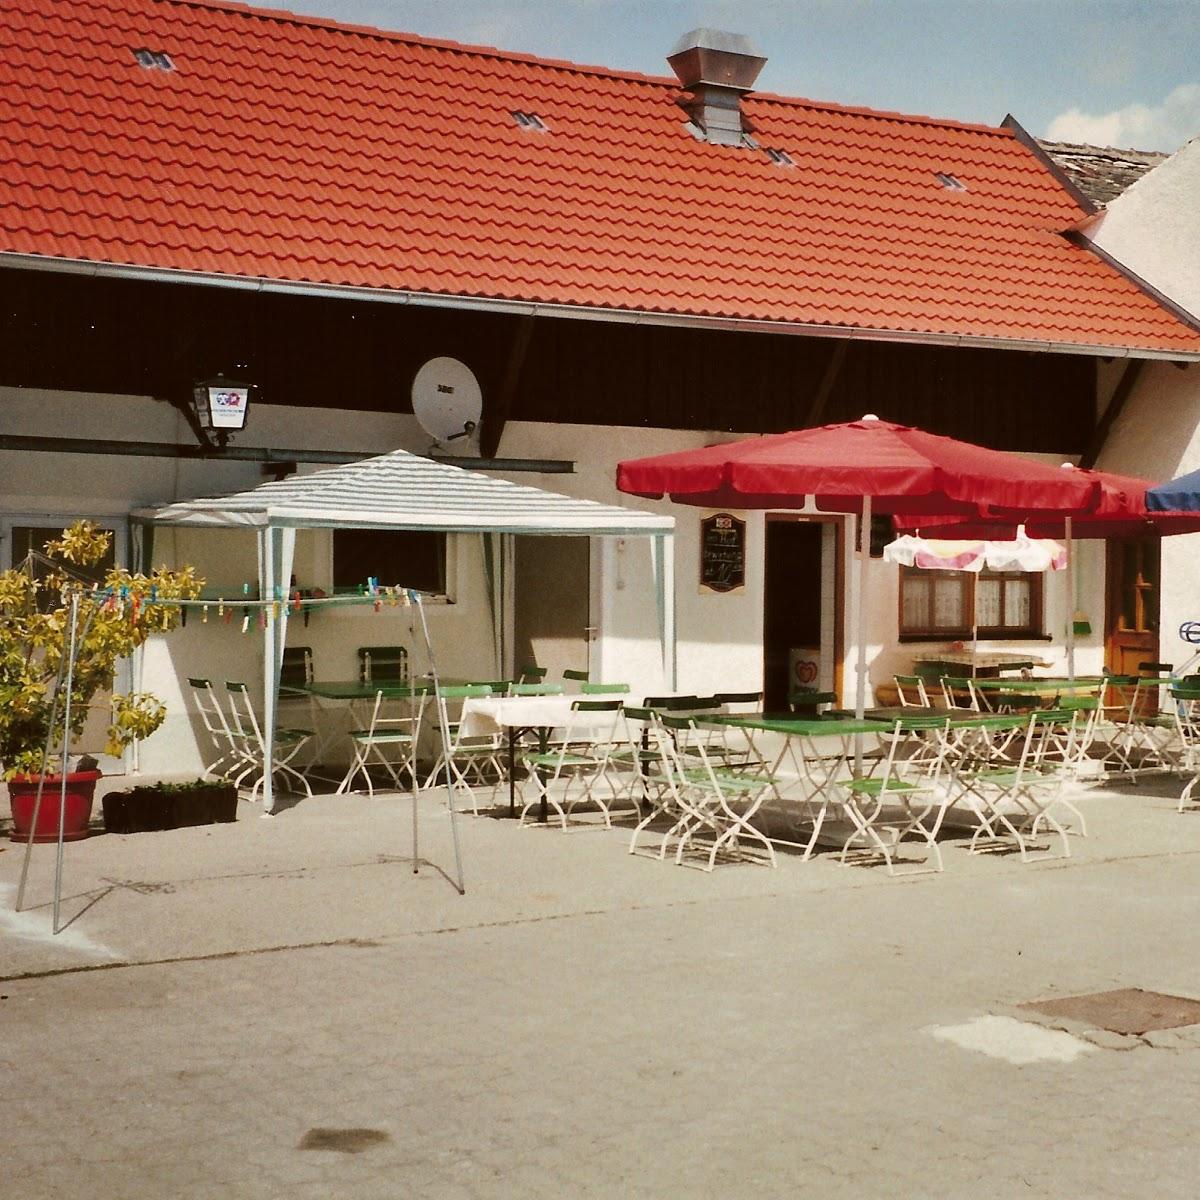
(1115, 548)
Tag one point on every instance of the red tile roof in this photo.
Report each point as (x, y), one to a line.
(295, 149)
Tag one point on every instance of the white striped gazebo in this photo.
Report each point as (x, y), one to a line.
(400, 490)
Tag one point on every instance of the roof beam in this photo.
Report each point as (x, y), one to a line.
(38, 262)
(262, 454)
(1112, 411)
(833, 368)
(495, 415)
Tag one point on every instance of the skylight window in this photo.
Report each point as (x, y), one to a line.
(528, 120)
(950, 182)
(153, 60)
(781, 158)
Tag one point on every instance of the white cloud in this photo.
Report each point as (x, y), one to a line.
(1165, 126)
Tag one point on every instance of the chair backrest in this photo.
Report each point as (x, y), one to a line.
(297, 668)
(910, 689)
(1155, 668)
(604, 689)
(243, 720)
(740, 699)
(570, 676)
(209, 708)
(536, 689)
(531, 674)
(465, 691)
(410, 720)
(671, 703)
(959, 692)
(389, 663)
(500, 687)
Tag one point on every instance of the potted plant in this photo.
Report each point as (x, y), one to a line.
(152, 807)
(111, 619)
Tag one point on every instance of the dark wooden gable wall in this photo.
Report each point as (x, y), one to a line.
(120, 336)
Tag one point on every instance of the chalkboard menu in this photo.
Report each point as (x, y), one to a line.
(722, 552)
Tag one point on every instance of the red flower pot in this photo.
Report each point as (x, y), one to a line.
(22, 795)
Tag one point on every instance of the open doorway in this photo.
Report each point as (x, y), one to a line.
(792, 624)
(552, 604)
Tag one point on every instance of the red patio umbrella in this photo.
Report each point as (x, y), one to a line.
(860, 467)
(899, 468)
(1120, 511)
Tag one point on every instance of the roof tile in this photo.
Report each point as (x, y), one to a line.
(294, 148)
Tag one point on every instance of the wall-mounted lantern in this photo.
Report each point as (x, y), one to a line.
(221, 406)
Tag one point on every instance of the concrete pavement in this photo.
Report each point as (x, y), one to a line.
(280, 1008)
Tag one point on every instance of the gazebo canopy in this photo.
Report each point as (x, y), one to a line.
(400, 490)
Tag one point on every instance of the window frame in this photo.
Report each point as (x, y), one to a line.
(1033, 631)
(450, 547)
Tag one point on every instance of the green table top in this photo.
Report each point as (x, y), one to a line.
(356, 689)
(798, 726)
(1088, 683)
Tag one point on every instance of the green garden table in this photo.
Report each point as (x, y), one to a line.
(812, 770)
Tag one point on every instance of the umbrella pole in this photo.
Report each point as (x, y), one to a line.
(1070, 603)
(864, 553)
(975, 627)
(860, 691)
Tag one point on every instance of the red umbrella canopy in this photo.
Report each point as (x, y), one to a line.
(902, 469)
(1120, 511)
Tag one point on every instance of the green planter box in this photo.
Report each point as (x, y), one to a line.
(153, 808)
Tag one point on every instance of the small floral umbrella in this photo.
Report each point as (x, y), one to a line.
(938, 554)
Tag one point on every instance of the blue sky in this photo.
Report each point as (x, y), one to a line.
(1112, 72)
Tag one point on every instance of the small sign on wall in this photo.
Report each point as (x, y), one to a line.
(722, 553)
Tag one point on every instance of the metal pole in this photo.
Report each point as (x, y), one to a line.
(864, 554)
(437, 698)
(1070, 602)
(62, 796)
(37, 800)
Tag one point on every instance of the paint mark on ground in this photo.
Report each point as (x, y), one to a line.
(37, 925)
(343, 1141)
(1013, 1041)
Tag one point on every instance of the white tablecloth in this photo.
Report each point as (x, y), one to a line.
(484, 716)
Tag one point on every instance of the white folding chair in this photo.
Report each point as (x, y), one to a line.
(903, 799)
(1186, 703)
(910, 691)
(1018, 798)
(959, 691)
(251, 748)
(475, 757)
(225, 755)
(388, 741)
(576, 768)
(716, 804)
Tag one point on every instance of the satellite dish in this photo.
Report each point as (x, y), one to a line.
(446, 400)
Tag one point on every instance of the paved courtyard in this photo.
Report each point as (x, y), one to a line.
(280, 1008)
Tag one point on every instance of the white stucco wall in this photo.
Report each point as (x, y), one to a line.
(1153, 228)
(719, 636)
(1158, 437)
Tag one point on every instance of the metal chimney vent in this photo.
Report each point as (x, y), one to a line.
(717, 68)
